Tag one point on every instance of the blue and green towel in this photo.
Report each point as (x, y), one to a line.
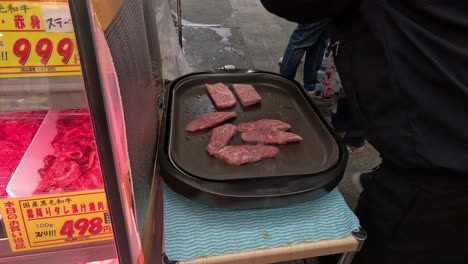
(193, 230)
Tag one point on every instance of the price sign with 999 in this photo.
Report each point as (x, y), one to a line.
(43, 48)
(37, 39)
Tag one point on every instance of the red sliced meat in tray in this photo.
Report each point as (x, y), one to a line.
(238, 155)
(5, 175)
(264, 124)
(209, 120)
(220, 137)
(74, 165)
(221, 95)
(247, 94)
(270, 137)
(17, 130)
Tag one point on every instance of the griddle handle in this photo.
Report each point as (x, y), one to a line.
(160, 98)
(160, 102)
(227, 70)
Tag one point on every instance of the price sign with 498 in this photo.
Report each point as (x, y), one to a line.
(74, 229)
(55, 220)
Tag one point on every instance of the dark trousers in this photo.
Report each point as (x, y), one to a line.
(311, 40)
(344, 120)
(414, 217)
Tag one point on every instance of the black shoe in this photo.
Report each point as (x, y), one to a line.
(362, 180)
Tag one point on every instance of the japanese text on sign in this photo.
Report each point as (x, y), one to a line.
(56, 220)
(57, 18)
(37, 39)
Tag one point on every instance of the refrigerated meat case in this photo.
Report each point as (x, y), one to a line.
(119, 86)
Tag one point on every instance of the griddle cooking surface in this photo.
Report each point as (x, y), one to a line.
(282, 100)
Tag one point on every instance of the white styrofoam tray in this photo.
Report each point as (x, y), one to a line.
(25, 179)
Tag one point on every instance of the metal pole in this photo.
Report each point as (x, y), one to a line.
(360, 236)
(179, 21)
(347, 258)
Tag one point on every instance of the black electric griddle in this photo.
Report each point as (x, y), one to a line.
(301, 171)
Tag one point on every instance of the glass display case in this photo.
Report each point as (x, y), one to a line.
(69, 165)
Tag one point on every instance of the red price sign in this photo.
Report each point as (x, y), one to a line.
(43, 48)
(55, 220)
(82, 226)
(39, 54)
(37, 39)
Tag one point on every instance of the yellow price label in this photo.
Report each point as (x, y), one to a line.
(37, 39)
(56, 220)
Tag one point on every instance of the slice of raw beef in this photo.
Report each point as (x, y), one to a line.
(220, 137)
(238, 155)
(270, 137)
(209, 120)
(264, 124)
(221, 95)
(247, 94)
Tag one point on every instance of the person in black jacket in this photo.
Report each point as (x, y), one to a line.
(414, 104)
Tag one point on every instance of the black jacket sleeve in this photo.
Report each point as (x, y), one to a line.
(306, 11)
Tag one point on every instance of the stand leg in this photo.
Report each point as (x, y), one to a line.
(165, 260)
(348, 257)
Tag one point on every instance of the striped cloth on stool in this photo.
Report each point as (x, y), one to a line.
(193, 230)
